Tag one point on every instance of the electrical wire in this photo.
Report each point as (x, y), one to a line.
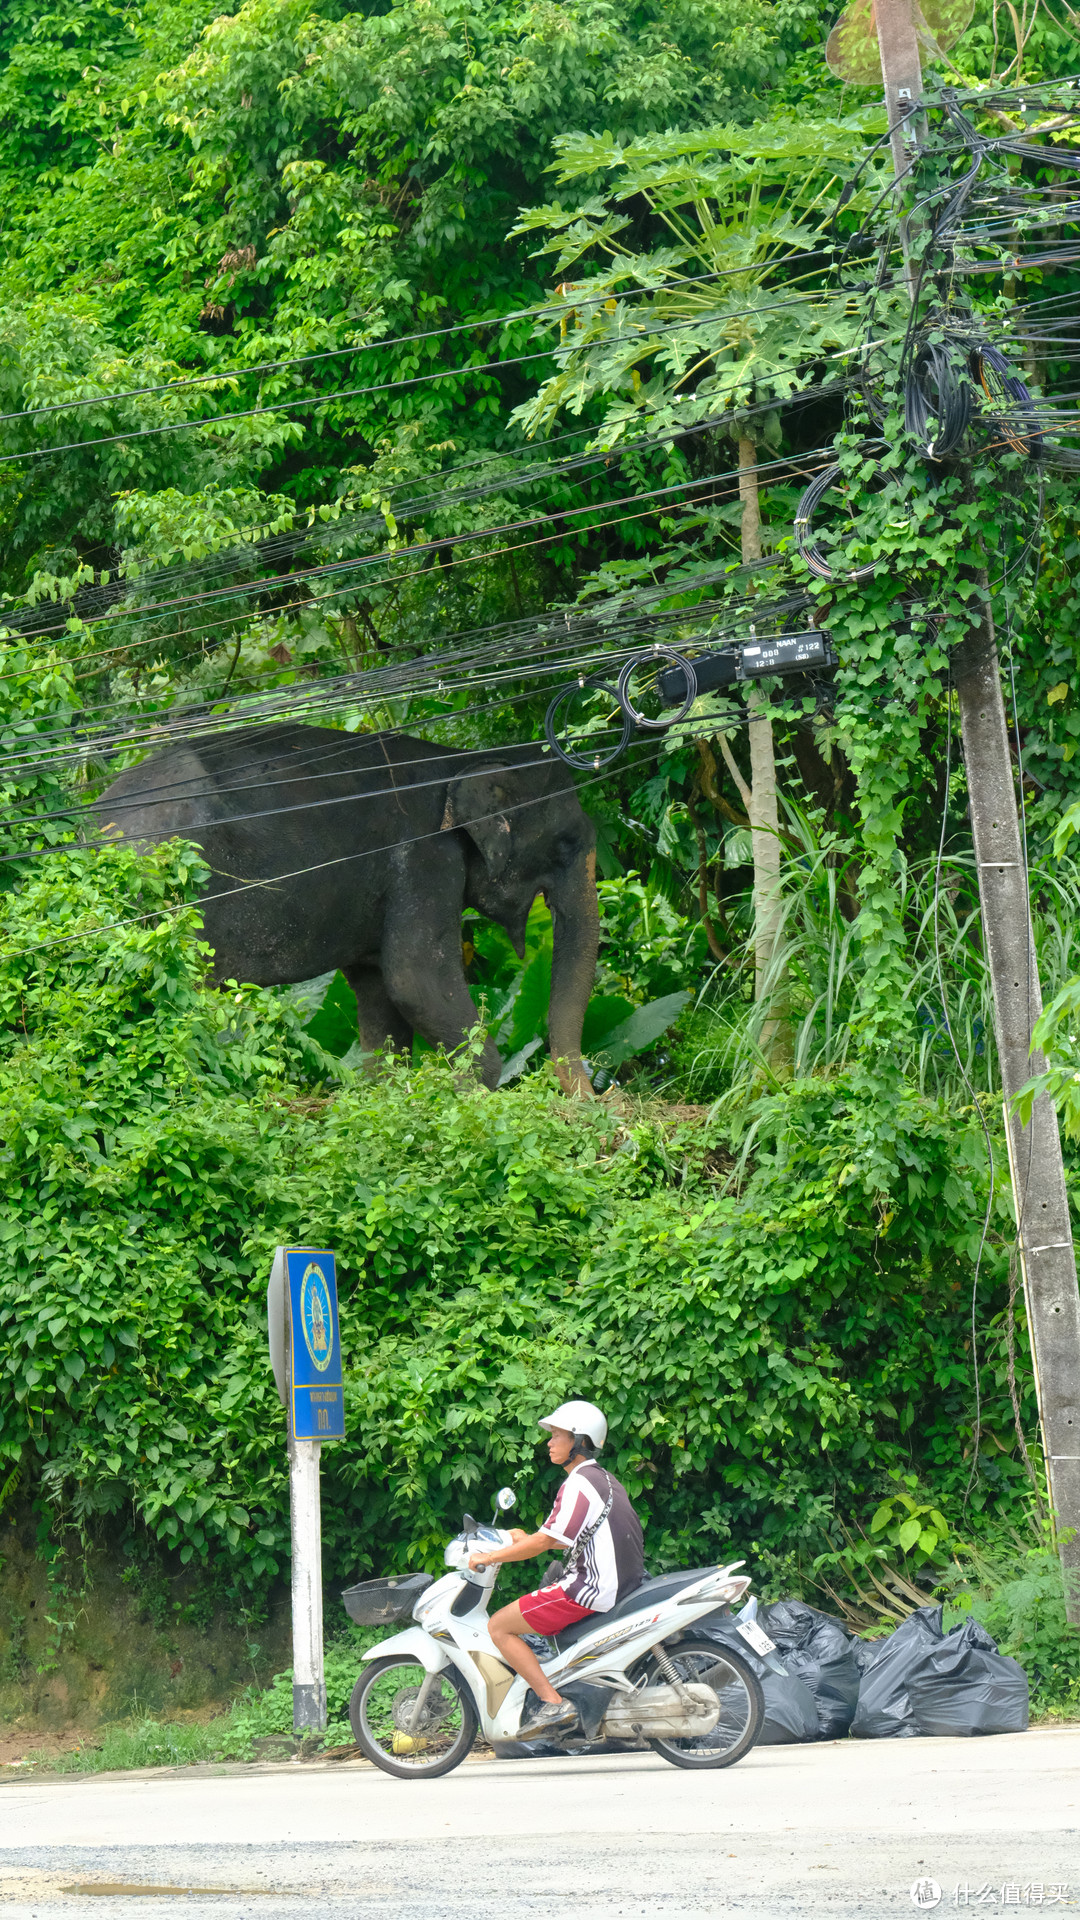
(274, 880)
(396, 680)
(604, 636)
(440, 544)
(548, 351)
(734, 716)
(542, 311)
(563, 654)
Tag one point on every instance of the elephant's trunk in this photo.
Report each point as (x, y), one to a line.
(576, 925)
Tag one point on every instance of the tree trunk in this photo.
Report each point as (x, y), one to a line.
(762, 806)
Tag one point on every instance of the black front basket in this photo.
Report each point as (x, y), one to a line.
(378, 1603)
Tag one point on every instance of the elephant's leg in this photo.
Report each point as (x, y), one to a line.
(382, 1028)
(422, 964)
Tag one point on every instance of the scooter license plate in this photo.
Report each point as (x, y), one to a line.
(756, 1637)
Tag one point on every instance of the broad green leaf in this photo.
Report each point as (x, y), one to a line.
(908, 1535)
(603, 1014)
(335, 1027)
(641, 1031)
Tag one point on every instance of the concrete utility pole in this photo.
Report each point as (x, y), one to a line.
(1044, 1230)
(309, 1686)
(305, 1355)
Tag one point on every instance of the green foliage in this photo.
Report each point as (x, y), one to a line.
(648, 948)
(140, 1742)
(724, 201)
(257, 1715)
(907, 1525)
(189, 194)
(334, 1024)
(1018, 1597)
(512, 994)
(774, 1307)
(495, 1251)
(38, 698)
(117, 1067)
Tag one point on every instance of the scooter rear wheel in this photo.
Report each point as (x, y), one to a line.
(742, 1703)
(381, 1715)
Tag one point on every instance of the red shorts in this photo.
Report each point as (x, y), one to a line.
(548, 1609)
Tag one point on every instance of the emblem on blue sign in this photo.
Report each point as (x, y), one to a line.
(317, 1317)
(317, 1410)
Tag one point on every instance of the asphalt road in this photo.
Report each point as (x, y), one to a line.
(843, 1829)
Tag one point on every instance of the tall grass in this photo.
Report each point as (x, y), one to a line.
(818, 970)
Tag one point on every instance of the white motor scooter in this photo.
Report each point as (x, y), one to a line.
(637, 1672)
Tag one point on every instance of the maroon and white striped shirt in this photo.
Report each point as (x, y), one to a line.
(611, 1561)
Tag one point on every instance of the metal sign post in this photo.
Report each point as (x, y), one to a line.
(1044, 1231)
(305, 1353)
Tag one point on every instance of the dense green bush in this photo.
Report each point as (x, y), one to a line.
(1019, 1598)
(764, 1353)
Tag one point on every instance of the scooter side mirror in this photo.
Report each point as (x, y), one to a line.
(468, 1524)
(505, 1499)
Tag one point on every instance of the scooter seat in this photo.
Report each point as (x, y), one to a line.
(651, 1593)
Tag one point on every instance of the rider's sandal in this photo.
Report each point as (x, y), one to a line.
(553, 1714)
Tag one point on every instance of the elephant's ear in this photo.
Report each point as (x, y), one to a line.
(476, 804)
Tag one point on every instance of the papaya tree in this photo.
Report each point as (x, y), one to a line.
(708, 302)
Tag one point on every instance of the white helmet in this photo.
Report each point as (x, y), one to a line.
(578, 1417)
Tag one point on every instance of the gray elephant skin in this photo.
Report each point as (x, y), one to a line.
(359, 851)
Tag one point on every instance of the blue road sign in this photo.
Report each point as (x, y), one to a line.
(318, 1409)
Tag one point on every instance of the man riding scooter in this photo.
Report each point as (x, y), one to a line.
(593, 1520)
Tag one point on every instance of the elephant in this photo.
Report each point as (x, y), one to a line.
(359, 852)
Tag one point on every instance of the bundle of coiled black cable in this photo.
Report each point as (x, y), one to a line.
(589, 752)
(589, 755)
(1012, 403)
(816, 560)
(938, 390)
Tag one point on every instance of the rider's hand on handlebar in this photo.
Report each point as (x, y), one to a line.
(477, 1561)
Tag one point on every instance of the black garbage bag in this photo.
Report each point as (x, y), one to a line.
(921, 1680)
(790, 1709)
(820, 1652)
(884, 1709)
(965, 1686)
(864, 1652)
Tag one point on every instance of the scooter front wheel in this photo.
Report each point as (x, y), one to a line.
(738, 1690)
(382, 1712)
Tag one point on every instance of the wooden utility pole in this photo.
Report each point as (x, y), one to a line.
(1043, 1226)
